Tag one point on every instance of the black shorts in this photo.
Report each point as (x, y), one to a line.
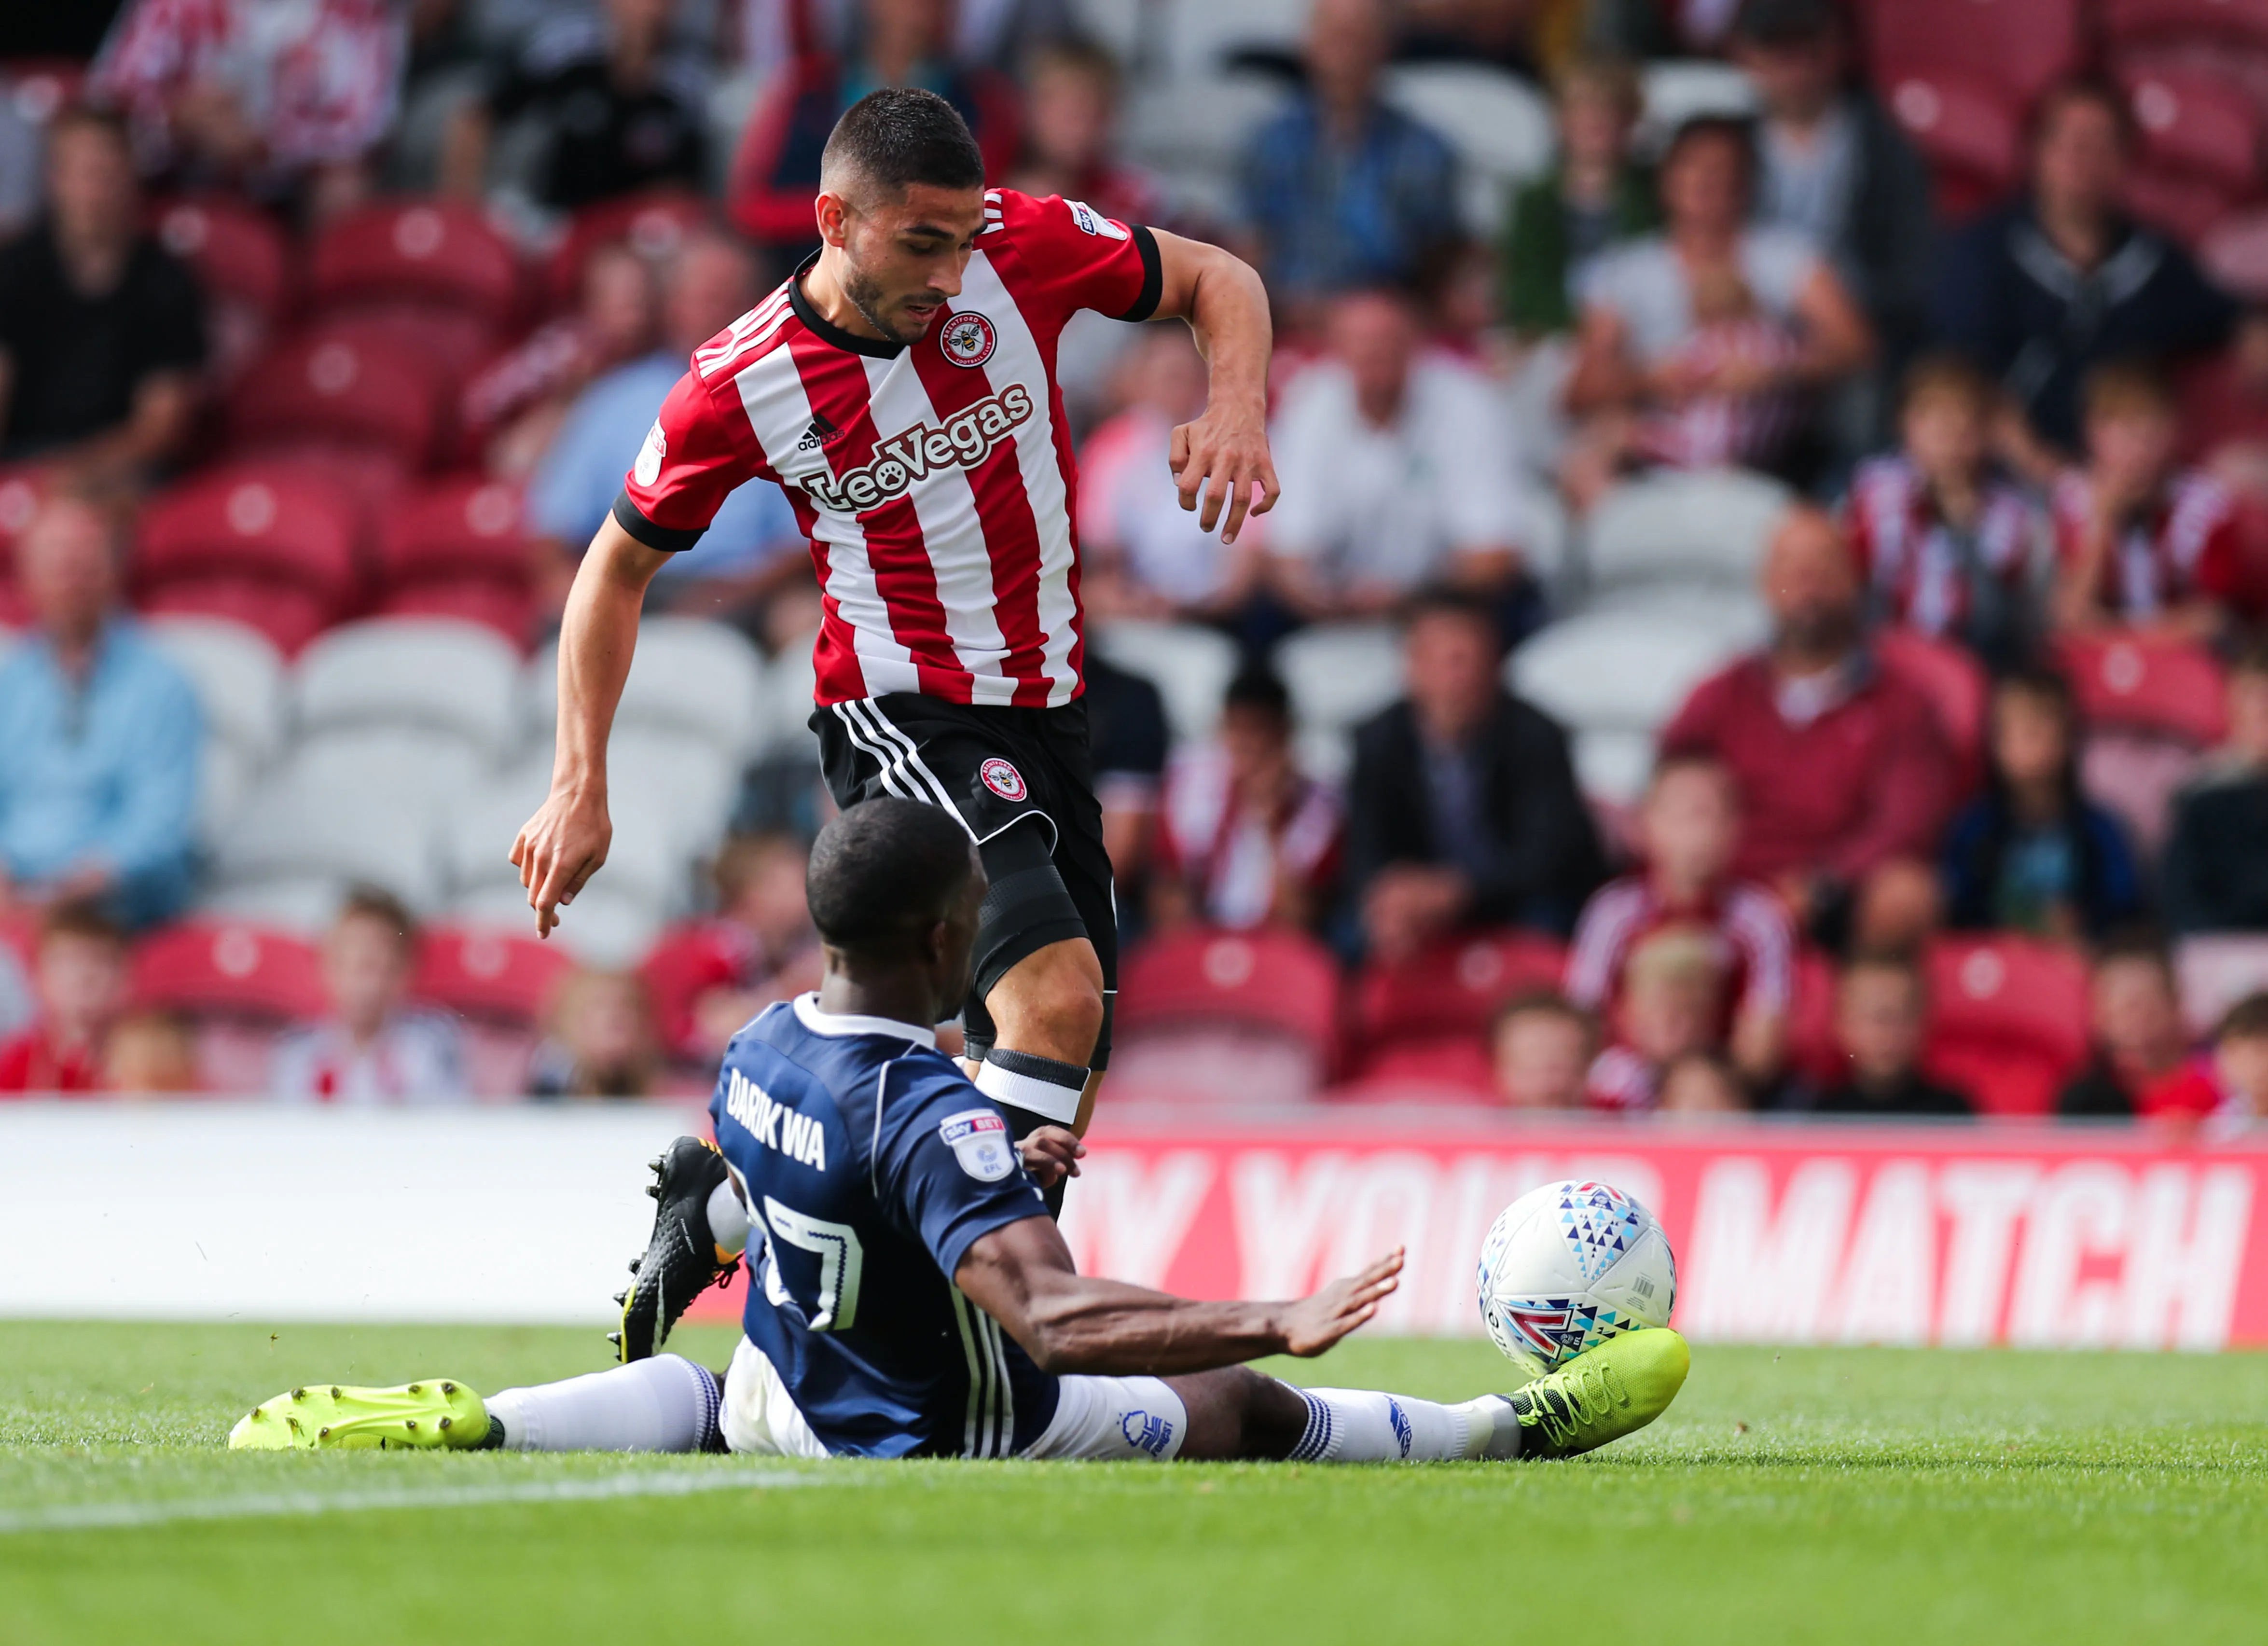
(1022, 782)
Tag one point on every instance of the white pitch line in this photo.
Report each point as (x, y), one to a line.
(681, 1483)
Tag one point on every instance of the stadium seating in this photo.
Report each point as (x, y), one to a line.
(1235, 1016)
(2216, 970)
(2196, 124)
(458, 549)
(1968, 127)
(2138, 683)
(1430, 1017)
(2128, 24)
(263, 544)
(1708, 528)
(426, 674)
(220, 968)
(688, 675)
(1190, 666)
(1680, 90)
(1625, 670)
(607, 927)
(1498, 123)
(1953, 680)
(2008, 1019)
(243, 260)
(2022, 45)
(333, 388)
(427, 252)
(239, 679)
(481, 973)
(1338, 676)
(651, 224)
(2182, 206)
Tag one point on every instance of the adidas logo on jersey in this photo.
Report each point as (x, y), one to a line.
(817, 435)
(773, 1124)
(966, 440)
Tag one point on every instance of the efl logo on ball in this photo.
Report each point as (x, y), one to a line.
(1002, 779)
(967, 339)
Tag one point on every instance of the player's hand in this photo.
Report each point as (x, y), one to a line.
(1314, 1324)
(1219, 459)
(559, 849)
(1050, 1154)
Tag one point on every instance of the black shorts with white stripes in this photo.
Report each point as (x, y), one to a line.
(1022, 782)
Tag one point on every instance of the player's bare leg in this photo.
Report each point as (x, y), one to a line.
(1047, 1014)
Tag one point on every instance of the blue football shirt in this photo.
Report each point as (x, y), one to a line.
(870, 1165)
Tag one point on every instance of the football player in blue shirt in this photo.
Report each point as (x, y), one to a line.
(914, 1299)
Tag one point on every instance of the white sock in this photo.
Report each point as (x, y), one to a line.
(1366, 1425)
(728, 1219)
(665, 1404)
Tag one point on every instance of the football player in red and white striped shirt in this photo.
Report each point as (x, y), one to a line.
(900, 388)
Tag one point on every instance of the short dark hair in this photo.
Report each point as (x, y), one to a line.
(2145, 945)
(2251, 659)
(1785, 22)
(1442, 599)
(2078, 88)
(885, 870)
(1898, 960)
(1259, 688)
(2246, 1020)
(82, 918)
(899, 136)
(90, 117)
(1737, 130)
(375, 902)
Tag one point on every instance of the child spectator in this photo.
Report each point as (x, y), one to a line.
(2138, 1039)
(1881, 1018)
(2033, 854)
(1950, 547)
(515, 407)
(2138, 542)
(601, 1042)
(1672, 1006)
(2216, 876)
(1247, 840)
(373, 1047)
(1688, 827)
(1070, 116)
(79, 980)
(2230, 1082)
(1699, 1083)
(151, 1053)
(1543, 1047)
(1596, 195)
(709, 978)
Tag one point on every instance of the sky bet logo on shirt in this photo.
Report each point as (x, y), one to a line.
(966, 440)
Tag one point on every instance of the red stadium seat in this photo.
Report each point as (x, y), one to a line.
(328, 388)
(2023, 46)
(1968, 127)
(227, 968)
(239, 253)
(267, 544)
(2141, 684)
(2009, 1019)
(372, 481)
(510, 612)
(459, 549)
(2184, 206)
(418, 251)
(2127, 24)
(2235, 253)
(1278, 980)
(1413, 1089)
(448, 344)
(652, 224)
(1950, 677)
(2196, 123)
(1457, 1063)
(1812, 1051)
(499, 977)
(1451, 991)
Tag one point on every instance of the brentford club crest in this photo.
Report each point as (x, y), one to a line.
(1002, 779)
(967, 339)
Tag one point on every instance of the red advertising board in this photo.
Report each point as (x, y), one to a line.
(2026, 1235)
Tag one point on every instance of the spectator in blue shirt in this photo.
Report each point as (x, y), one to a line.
(749, 552)
(1342, 189)
(99, 736)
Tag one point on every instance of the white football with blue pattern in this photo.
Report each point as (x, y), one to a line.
(1568, 1266)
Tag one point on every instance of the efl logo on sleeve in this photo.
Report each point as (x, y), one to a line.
(979, 1138)
(648, 467)
(1092, 221)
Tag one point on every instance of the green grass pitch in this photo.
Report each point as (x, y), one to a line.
(1829, 1495)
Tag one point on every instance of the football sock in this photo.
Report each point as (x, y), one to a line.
(1038, 1086)
(728, 1220)
(1366, 1425)
(665, 1404)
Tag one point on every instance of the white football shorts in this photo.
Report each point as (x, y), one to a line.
(1096, 1420)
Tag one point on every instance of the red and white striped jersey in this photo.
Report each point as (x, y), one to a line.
(1912, 560)
(1748, 927)
(2184, 547)
(935, 481)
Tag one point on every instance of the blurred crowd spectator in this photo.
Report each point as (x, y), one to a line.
(1749, 544)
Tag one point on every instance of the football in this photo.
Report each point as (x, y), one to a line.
(1568, 1266)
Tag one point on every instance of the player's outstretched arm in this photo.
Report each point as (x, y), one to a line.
(1022, 1276)
(563, 845)
(1222, 456)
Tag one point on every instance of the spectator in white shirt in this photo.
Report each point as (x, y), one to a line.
(373, 1047)
(1398, 473)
